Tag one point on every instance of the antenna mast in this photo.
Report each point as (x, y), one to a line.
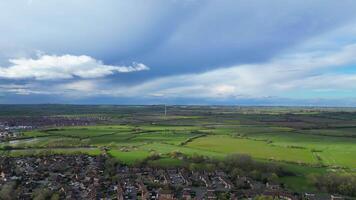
(165, 110)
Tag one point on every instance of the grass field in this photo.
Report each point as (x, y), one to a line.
(129, 157)
(257, 149)
(305, 141)
(262, 142)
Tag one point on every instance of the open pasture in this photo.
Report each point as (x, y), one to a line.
(305, 140)
(311, 147)
(257, 149)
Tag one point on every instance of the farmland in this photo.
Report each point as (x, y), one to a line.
(304, 140)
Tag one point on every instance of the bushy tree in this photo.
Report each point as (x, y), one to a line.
(42, 194)
(335, 183)
(7, 191)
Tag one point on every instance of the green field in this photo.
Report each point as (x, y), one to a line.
(270, 143)
(257, 149)
(305, 141)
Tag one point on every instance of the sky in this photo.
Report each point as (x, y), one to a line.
(228, 52)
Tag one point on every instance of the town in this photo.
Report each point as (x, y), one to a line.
(85, 177)
(100, 177)
(11, 127)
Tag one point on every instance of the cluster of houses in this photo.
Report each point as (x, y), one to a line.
(87, 177)
(7, 133)
(70, 177)
(11, 127)
(48, 121)
(181, 183)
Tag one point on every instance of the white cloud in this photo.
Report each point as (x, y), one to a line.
(21, 89)
(308, 71)
(79, 86)
(312, 70)
(287, 73)
(52, 67)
